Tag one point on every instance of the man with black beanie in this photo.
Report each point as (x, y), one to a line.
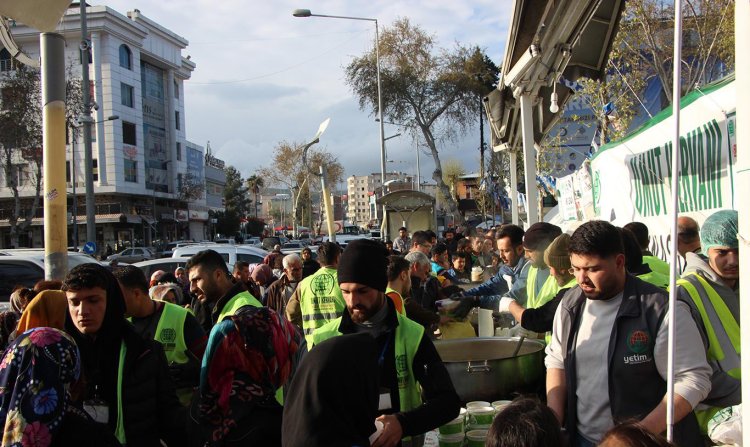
(407, 354)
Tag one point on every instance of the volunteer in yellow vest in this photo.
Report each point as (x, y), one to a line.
(179, 333)
(710, 286)
(640, 231)
(317, 299)
(125, 383)
(539, 320)
(212, 284)
(540, 285)
(636, 266)
(408, 359)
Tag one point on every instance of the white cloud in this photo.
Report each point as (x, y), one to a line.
(264, 76)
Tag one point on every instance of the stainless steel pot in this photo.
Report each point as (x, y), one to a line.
(485, 369)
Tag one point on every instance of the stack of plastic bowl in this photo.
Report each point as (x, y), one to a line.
(498, 405)
(452, 433)
(479, 415)
(476, 438)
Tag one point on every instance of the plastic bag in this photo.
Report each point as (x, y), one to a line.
(725, 427)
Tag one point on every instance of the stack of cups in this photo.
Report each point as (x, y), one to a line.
(476, 438)
(498, 405)
(480, 415)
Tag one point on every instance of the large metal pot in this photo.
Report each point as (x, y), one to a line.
(485, 369)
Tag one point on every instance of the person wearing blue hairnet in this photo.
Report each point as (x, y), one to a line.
(710, 286)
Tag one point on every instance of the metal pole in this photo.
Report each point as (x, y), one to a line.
(380, 120)
(673, 271)
(513, 186)
(529, 160)
(53, 156)
(327, 205)
(86, 119)
(419, 179)
(742, 70)
(75, 196)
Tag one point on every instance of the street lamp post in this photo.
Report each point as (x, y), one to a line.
(307, 13)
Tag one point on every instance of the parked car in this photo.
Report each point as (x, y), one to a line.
(26, 266)
(168, 248)
(132, 255)
(230, 253)
(167, 264)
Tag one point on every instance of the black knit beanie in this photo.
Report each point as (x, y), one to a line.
(364, 261)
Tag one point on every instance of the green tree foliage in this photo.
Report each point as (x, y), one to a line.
(433, 91)
(236, 203)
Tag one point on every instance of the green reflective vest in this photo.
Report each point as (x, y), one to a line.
(240, 300)
(408, 336)
(397, 299)
(548, 291)
(656, 265)
(170, 333)
(320, 300)
(120, 427)
(722, 331)
(658, 279)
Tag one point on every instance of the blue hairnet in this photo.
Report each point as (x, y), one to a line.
(720, 230)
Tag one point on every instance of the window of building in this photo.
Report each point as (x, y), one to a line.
(67, 172)
(177, 120)
(176, 86)
(179, 152)
(126, 57)
(179, 182)
(6, 61)
(126, 93)
(19, 175)
(95, 169)
(128, 133)
(131, 171)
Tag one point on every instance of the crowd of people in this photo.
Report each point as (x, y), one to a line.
(339, 351)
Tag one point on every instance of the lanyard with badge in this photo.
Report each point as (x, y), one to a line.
(384, 402)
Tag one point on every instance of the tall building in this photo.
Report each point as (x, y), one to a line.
(143, 163)
(360, 209)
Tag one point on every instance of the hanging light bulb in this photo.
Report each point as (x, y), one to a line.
(554, 107)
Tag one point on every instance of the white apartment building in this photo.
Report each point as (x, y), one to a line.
(361, 210)
(137, 72)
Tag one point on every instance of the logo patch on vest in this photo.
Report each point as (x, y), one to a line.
(322, 284)
(638, 343)
(167, 335)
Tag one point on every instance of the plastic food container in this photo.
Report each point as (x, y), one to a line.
(456, 440)
(476, 438)
(480, 416)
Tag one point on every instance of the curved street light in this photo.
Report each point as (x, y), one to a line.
(304, 13)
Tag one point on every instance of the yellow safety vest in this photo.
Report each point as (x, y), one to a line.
(397, 299)
(722, 331)
(408, 336)
(548, 291)
(657, 265)
(320, 300)
(656, 278)
(170, 333)
(240, 300)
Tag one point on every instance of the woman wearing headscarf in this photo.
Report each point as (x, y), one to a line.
(333, 399)
(262, 277)
(249, 357)
(9, 318)
(48, 309)
(35, 407)
(125, 383)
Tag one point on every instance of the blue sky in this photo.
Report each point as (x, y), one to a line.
(264, 76)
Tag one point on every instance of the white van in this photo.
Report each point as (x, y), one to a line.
(230, 253)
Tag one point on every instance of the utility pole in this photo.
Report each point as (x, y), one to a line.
(86, 120)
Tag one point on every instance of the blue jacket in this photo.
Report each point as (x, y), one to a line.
(496, 287)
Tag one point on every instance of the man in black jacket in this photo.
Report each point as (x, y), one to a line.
(408, 360)
(125, 383)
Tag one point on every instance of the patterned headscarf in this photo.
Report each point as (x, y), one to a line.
(33, 374)
(247, 359)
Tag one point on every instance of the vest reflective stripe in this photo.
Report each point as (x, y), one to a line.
(320, 300)
(570, 284)
(548, 291)
(656, 278)
(408, 336)
(657, 265)
(240, 300)
(120, 427)
(722, 329)
(398, 301)
(170, 333)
